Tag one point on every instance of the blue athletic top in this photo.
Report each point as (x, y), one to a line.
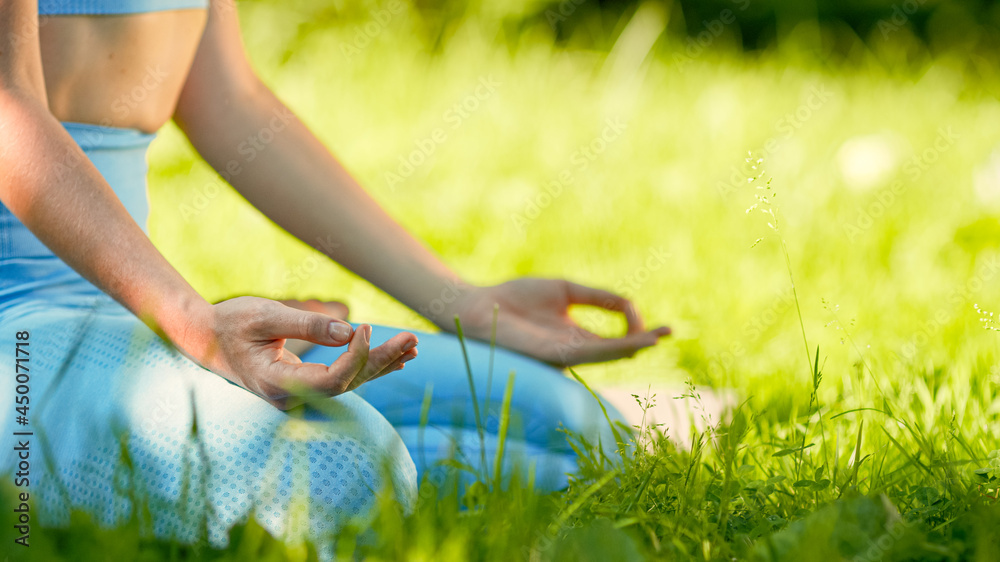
(113, 7)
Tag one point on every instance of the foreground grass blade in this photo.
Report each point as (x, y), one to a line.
(502, 435)
(475, 398)
(622, 445)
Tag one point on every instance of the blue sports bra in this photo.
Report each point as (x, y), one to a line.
(113, 7)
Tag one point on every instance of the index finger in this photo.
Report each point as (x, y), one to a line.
(581, 294)
(609, 349)
(336, 378)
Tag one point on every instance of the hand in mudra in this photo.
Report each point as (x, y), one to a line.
(243, 340)
(533, 319)
(335, 309)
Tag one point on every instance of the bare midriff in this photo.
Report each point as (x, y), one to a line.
(118, 71)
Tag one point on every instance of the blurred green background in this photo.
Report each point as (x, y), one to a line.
(607, 143)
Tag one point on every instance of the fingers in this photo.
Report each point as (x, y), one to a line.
(387, 356)
(292, 383)
(358, 364)
(580, 350)
(350, 364)
(580, 294)
(335, 309)
(302, 378)
(396, 365)
(277, 321)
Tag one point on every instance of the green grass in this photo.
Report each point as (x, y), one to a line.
(868, 451)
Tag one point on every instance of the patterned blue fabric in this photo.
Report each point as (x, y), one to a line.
(114, 7)
(543, 401)
(104, 390)
(118, 152)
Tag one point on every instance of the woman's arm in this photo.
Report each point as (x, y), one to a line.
(297, 183)
(293, 179)
(52, 187)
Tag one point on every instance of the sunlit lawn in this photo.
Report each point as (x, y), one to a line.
(887, 189)
(667, 192)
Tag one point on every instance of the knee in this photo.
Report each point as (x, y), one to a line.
(359, 453)
(349, 474)
(551, 404)
(340, 468)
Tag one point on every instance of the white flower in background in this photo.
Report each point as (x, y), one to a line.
(870, 160)
(986, 179)
(719, 107)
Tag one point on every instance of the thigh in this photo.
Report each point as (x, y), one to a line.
(547, 469)
(543, 398)
(120, 417)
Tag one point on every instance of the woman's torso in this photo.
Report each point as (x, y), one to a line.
(122, 71)
(111, 80)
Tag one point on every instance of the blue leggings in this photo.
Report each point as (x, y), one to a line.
(112, 408)
(543, 401)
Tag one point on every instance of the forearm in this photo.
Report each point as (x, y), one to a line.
(49, 184)
(298, 184)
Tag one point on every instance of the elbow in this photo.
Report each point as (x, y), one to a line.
(217, 107)
(15, 95)
(22, 83)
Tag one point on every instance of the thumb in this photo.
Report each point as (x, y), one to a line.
(282, 322)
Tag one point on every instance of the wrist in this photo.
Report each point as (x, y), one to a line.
(186, 321)
(474, 308)
(452, 298)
